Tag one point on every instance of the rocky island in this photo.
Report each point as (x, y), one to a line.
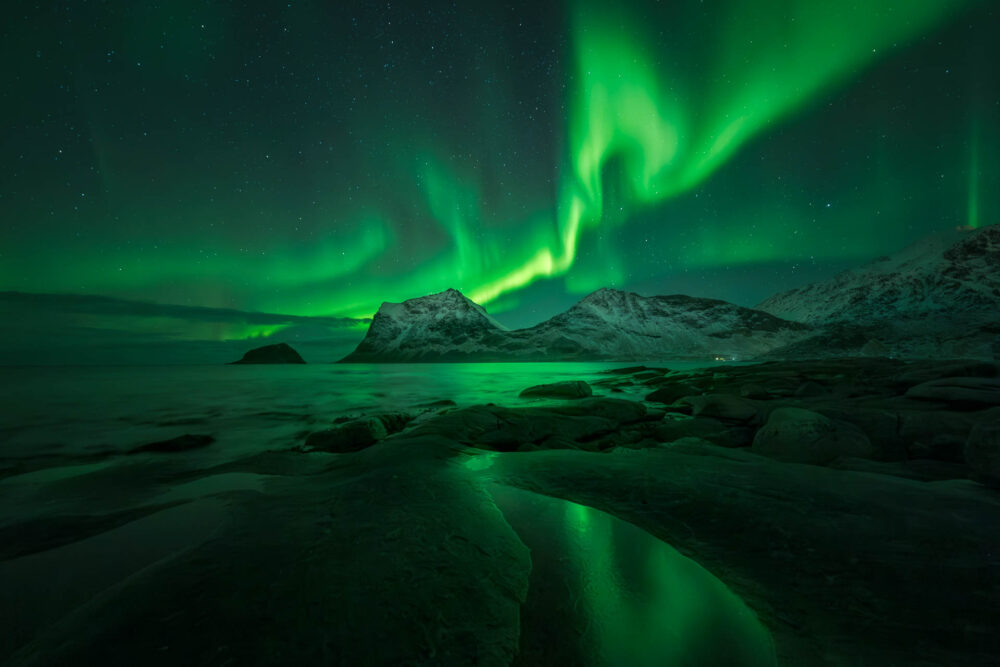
(279, 353)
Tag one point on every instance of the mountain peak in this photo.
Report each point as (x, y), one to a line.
(606, 296)
(951, 274)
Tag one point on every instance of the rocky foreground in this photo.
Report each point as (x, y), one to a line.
(852, 505)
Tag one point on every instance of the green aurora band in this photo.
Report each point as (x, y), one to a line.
(219, 208)
(973, 205)
(670, 141)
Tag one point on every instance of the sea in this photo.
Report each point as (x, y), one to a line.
(49, 411)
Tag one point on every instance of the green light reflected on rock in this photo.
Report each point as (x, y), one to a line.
(604, 592)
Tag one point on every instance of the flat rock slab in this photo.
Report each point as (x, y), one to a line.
(179, 444)
(844, 568)
(973, 392)
(398, 559)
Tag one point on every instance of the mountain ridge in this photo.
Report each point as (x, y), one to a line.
(938, 296)
(606, 324)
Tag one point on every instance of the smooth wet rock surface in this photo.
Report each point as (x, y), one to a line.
(479, 534)
(181, 443)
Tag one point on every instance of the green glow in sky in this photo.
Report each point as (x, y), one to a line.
(973, 205)
(671, 134)
(338, 155)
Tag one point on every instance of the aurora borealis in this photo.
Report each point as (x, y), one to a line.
(314, 159)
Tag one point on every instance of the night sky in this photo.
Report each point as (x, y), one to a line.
(313, 159)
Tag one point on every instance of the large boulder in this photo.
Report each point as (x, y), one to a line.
(874, 348)
(703, 428)
(803, 436)
(755, 391)
(982, 449)
(722, 406)
(926, 371)
(280, 353)
(670, 393)
(935, 434)
(959, 392)
(881, 426)
(568, 389)
(351, 436)
(617, 410)
(810, 389)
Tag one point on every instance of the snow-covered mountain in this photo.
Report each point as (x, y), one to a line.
(938, 297)
(608, 324)
(439, 327)
(956, 274)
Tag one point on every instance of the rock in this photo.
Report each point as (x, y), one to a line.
(935, 434)
(755, 391)
(688, 441)
(628, 370)
(617, 410)
(802, 436)
(280, 353)
(960, 392)
(624, 437)
(936, 370)
(436, 405)
(843, 568)
(982, 449)
(810, 390)
(670, 393)
(722, 406)
(881, 426)
(578, 424)
(179, 444)
(568, 389)
(922, 470)
(874, 348)
(656, 381)
(394, 422)
(703, 428)
(613, 382)
(352, 436)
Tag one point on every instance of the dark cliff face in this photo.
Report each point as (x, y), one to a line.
(280, 353)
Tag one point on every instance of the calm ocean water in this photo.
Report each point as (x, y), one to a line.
(51, 411)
